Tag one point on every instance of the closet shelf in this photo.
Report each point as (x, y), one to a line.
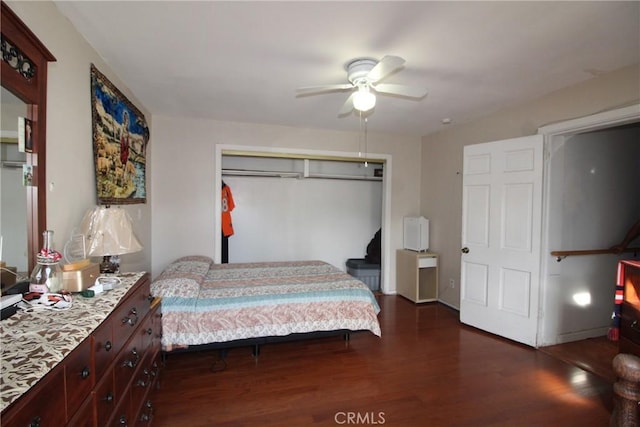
(270, 174)
(348, 177)
(13, 164)
(299, 175)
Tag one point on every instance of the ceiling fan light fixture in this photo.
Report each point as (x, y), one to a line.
(364, 100)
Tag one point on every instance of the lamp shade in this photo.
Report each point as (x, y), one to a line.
(364, 100)
(109, 231)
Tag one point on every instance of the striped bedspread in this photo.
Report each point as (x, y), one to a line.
(205, 303)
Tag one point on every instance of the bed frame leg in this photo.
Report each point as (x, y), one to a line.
(347, 337)
(256, 351)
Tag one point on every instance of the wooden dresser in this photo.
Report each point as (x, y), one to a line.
(91, 365)
(629, 276)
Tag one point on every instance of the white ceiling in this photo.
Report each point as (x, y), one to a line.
(242, 61)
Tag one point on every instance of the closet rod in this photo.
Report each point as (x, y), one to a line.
(560, 255)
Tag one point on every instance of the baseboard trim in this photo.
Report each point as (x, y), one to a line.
(449, 305)
(581, 335)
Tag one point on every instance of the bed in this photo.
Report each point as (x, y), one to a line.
(208, 305)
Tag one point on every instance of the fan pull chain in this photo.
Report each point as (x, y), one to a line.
(366, 164)
(360, 133)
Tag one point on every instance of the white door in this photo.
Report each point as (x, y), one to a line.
(501, 234)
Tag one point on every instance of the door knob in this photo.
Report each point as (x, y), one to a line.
(465, 250)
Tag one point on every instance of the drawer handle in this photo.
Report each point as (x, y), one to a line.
(123, 420)
(108, 397)
(85, 373)
(149, 331)
(150, 298)
(145, 417)
(108, 346)
(132, 318)
(132, 363)
(634, 326)
(35, 422)
(141, 383)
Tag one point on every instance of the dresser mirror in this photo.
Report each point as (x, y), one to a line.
(13, 200)
(24, 77)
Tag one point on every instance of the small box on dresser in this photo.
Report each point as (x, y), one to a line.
(102, 376)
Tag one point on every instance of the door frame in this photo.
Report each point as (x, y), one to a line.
(556, 133)
(385, 267)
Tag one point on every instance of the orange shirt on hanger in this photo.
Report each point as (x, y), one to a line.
(227, 207)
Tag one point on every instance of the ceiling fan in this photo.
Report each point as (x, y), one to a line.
(365, 75)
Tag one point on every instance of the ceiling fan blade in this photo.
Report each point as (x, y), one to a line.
(347, 107)
(402, 90)
(308, 90)
(386, 66)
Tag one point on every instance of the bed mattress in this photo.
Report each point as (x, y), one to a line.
(204, 303)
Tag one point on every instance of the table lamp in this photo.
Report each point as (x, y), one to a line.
(109, 234)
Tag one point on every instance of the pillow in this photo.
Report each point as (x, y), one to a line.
(182, 278)
(183, 287)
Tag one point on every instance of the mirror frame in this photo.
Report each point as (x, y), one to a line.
(24, 73)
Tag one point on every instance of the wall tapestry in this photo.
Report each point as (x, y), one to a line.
(120, 137)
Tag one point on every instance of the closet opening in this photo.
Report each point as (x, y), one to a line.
(304, 205)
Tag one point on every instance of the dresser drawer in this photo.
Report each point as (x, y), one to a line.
(104, 348)
(85, 416)
(79, 376)
(127, 363)
(151, 330)
(427, 262)
(156, 341)
(122, 416)
(44, 406)
(146, 414)
(141, 383)
(142, 404)
(106, 398)
(130, 313)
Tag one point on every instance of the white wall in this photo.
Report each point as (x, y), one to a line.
(184, 175)
(441, 189)
(70, 165)
(593, 199)
(279, 219)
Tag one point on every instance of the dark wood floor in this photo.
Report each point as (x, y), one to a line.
(426, 370)
(593, 354)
